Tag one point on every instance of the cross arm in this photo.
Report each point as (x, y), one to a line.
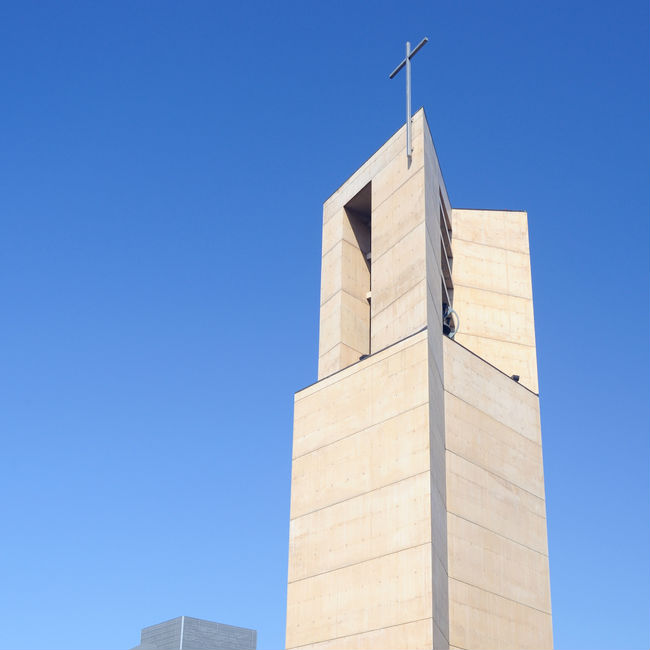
(397, 69)
(416, 49)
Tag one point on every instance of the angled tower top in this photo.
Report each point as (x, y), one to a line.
(386, 231)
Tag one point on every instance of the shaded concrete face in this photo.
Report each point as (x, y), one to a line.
(499, 588)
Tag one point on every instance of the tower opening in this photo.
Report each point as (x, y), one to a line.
(358, 265)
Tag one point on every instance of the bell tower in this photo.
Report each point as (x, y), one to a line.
(417, 503)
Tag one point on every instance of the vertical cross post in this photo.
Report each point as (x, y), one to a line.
(409, 144)
(407, 62)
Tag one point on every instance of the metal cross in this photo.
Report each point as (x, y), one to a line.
(407, 62)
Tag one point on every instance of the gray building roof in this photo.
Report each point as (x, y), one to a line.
(187, 633)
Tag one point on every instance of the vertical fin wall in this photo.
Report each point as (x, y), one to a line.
(435, 191)
(493, 291)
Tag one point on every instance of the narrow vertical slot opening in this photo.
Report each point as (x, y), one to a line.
(358, 265)
(449, 326)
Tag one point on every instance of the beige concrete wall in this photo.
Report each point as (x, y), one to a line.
(493, 291)
(360, 553)
(499, 589)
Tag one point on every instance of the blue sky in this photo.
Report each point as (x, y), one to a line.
(162, 171)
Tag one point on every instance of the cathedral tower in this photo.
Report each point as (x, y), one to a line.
(418, 517)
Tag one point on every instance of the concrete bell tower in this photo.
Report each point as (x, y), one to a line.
(418, 517)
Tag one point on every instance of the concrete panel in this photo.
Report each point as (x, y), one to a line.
(496, 504)
(340, 356)
(403, 317)
(331, 272)
(370, 392)
(375, 358)
(440, 595)
(337, 229)
(344, 268)
(482, 558)
(355, 323)
(472, 380)
(415, 636)
(510, 358)
(372, 525)
(495, 315)
(344, 319)
(439, 547)
(398, 215)
(498, 228)
(399, 269)
(440, 641)
(480, 619)
(520, 281)
(383, 592)
(397, 172)
(333, 231)
(367, 460)
(493, 269)
(484, 441)
(330, 324)
(437, 439)
(329, 334)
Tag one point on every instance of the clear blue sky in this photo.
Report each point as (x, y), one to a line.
(162, 171)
